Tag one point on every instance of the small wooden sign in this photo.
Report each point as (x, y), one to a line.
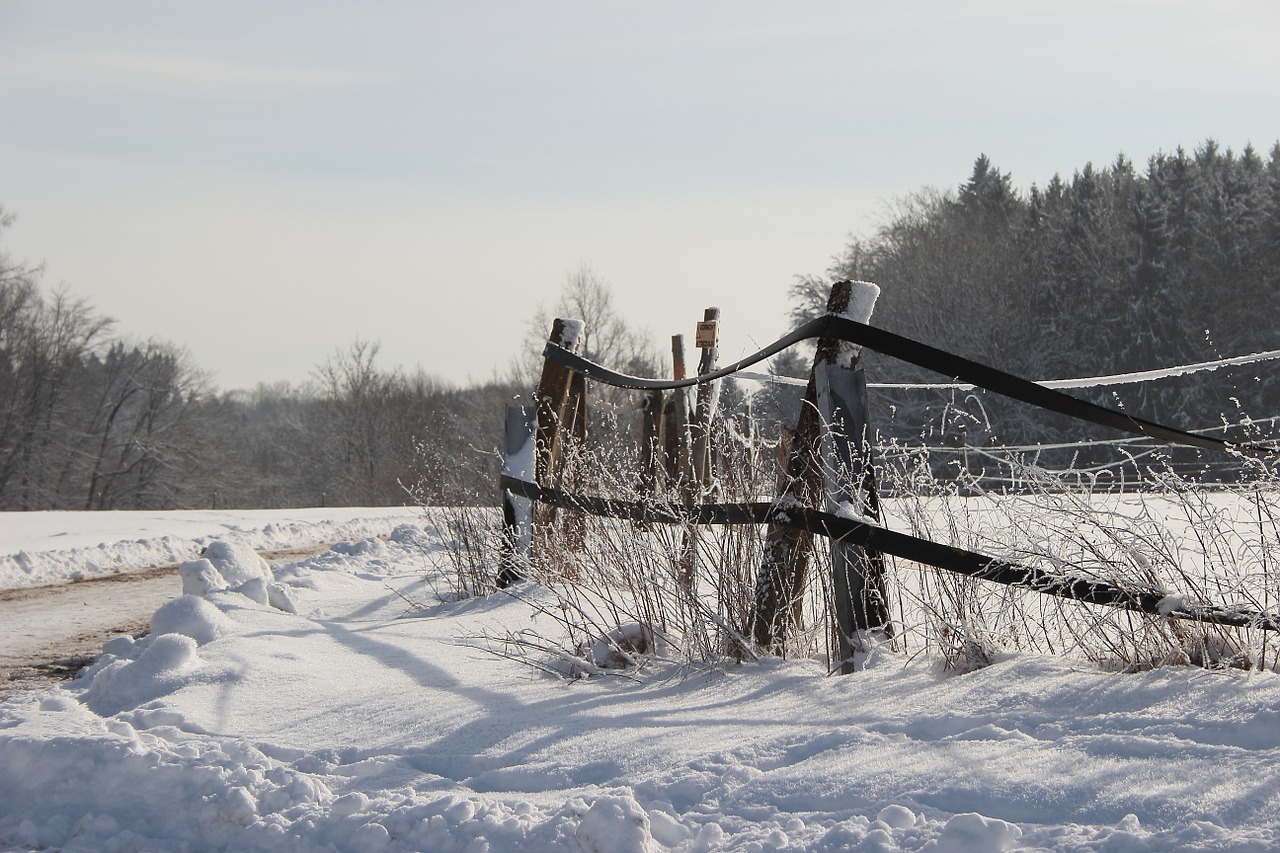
(706, 336)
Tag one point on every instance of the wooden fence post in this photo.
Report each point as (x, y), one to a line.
(860, 593)
(517, 512)
(571, 464)
(744, 456)
(652, 466)
(552, 406)
(678, 453)
(675, 422)
(780, 583)
(651, 462)
(708, 398)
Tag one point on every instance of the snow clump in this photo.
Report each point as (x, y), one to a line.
(615, 825)
(974, 833)
(227, 565)
(200, 577)
(237, 562)
(190, 616)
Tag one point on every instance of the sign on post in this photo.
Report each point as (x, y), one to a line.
(706, 335)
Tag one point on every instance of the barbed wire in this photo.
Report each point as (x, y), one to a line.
(1134, 378)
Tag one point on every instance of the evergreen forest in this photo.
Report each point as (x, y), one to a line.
(1116, 270)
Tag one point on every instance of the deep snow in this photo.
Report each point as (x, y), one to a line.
(363, 723)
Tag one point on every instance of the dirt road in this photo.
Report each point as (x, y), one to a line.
(49, 633)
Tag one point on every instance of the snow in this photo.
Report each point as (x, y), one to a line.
(862, 301)
(373, 719)
(48, 547)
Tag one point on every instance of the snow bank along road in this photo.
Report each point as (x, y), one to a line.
(51, 632)
(74, 580)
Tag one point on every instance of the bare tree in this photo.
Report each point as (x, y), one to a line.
(607, 337)
(142, 427)
(45, 349)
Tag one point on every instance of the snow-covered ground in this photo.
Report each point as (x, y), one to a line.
(316, 708)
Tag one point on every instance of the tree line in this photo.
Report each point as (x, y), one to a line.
(90, 420)
(1116, 270)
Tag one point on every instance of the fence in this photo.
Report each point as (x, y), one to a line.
(828, 463)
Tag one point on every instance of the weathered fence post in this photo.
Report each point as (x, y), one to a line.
(552, 407)
(780, 583)
(675, 422)
(652, 466)
(570, 464)
(861, 600)
(708, 398)
(517, 512)
(747, 455)
(678, 450)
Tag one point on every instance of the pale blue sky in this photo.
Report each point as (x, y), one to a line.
(265, 182)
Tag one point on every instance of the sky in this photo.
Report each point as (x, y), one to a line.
(266, 183)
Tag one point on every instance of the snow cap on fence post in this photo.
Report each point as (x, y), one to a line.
(862, 303)
(570, 333)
